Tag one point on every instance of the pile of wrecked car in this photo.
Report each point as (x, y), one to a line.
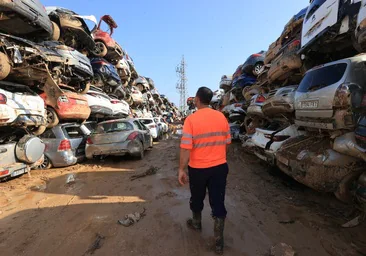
(64, 86)
(304, 112)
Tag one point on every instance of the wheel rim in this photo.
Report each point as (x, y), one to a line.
(45, 163)
(258, 68)
(98, 47)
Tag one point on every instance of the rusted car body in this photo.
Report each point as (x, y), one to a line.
(69, 106)
(74, 31)
(311, 161)
(29, 63)
(280, 102)
(106, 46)
(27, 18)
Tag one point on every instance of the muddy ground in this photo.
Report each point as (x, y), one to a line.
(43, 215)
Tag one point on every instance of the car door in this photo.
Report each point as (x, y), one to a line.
(146, 134)
(141, 131)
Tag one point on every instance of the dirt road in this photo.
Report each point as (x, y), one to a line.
(42, 215)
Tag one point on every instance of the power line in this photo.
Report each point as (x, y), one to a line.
(182, 84)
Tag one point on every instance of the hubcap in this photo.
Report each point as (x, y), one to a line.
(50, 117)
(45, 163)
(258, 69)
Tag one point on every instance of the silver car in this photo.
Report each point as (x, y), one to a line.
(327, 93)
(119, 137)
(65, 145)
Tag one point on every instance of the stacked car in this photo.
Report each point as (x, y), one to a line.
(305, 110)
(59, 78)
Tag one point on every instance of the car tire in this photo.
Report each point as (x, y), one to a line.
(141, 154)
(257, 69)
(344, 190)
(52, 118)
(100, 49)
(39, 130)
(4, 66)
(55, 31)
(45, 165)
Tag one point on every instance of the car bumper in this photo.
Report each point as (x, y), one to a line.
(62, 158)
(121, 148)
(23, 120)
(154, 133)
(13, 170)
(273, 108)
(78, 112)
(255, 110)
(101, 111)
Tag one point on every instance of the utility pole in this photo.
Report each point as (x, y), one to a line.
(182, 84)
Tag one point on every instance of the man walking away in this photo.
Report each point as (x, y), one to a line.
(206, 134)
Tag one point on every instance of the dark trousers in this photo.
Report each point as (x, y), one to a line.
(213, 179)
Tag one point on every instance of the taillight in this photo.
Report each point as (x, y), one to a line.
(132, 136)
(294, 44)
(63, 99)
(89, 141)
(260, 99)
(238, 105)
(115, 101)
(64, 145)
(277, 138)
(153, 126)
(360, 137)
(3, 173)
(3, 99)
(256, 55)
(342, 96)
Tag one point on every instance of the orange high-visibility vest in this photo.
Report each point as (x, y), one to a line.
(206, 134)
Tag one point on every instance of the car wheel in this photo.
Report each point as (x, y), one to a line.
(257, 69)
(141, 154)
(100, 49)
(46, 164)
(140, 87)
(4, 66)
(39, 130)
(55, 31)
(84, 88)
(345, 191)
(52, 118)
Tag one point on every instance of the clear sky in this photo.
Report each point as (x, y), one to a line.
(215, 36)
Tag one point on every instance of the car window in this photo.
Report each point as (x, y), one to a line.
(138, 124)
(74, 132)
(146, 121)
(48, 134)
(322, 77)
(314, 6)
(91, 126)
(144, 127)
(114, 127)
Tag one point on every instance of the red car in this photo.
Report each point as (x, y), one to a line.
(69, 106)
(105, 46)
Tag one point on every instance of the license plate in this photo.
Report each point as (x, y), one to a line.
(310, 104)
(81, 102)
(282, 160)
(17, 173)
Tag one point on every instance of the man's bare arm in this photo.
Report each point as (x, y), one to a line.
(184, 158)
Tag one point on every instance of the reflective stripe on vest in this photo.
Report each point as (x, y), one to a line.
(211, 144)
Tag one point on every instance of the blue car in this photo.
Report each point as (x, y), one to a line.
(243, 81)
(254, 64)
(105, 72)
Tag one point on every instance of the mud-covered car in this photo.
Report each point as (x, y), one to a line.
(19, 154)
(142, 84)
(254, 64)
(21, 107)
(30, 63)
(328, 94)
(124, 71)
(280, 102)
(27, 18)
(225, 83)
(311, 161)
(74, 31)
(105, 46)
(69, 106)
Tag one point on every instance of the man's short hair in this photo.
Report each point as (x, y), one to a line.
(205, 95)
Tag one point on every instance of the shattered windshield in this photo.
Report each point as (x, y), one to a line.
(114, 127)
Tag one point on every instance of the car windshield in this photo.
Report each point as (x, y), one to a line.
(146, 121)
(314, 6)
(322, 77)
(114, 127)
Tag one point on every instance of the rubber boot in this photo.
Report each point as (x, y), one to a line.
(195, 222)
(219, 235)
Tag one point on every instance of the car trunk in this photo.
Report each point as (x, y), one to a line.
(7, 154)
(24, 101)
(108, 138)
(316, 93)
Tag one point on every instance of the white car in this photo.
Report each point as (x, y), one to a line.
(267, 142)
(99, 103)
(153, 127)
(136, 96)
(120, 108)
(162, 124)
(20, 106)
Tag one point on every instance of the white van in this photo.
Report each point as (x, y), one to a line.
(329, 21)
